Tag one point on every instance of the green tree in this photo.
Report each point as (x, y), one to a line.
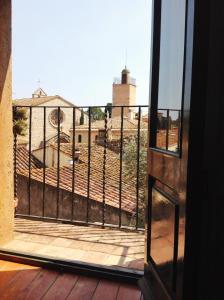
(19, 121)
(96, 113)
(109, 108)
(130, 157)
(19, 128)
(82, 118)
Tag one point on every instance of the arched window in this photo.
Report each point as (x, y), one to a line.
(79, 138)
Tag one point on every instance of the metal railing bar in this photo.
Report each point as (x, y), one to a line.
(89, 167)
(44, 161)
(58, 162)
(73, 161)
(30, 146)
(15, 162)
(137, 167)
(80, 107)
(104, 166)
(121, 165)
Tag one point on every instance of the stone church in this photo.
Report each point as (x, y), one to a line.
(37, 103)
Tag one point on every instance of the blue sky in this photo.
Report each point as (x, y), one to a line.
(76, 48)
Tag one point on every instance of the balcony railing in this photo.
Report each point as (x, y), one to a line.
(87, 165)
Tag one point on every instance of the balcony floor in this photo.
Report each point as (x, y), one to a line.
(18, 281)
(107, 247)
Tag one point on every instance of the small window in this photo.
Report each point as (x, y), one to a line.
(79, 138)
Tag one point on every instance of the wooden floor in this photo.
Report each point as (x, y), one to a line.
(18, 281)
(94, 245)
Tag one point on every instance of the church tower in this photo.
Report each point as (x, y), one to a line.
(124, 93)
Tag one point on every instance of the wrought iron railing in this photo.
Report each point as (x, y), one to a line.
(85, 166)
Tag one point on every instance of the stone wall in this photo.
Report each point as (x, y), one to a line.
(6, 145)
(65, 204)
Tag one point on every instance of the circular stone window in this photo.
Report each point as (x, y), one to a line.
(53, 117)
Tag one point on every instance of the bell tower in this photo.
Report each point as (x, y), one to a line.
(124, 93)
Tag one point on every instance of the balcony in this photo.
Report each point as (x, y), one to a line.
(80, 185)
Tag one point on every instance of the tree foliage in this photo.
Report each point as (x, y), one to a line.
(109, 109)
(19, 121)
(130, 157)
(96, 113)
(81, 122)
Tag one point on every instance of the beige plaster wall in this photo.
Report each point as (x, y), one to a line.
(51, 157)
(124, 94)
(84, 134)
(6, 148)
(51, 130)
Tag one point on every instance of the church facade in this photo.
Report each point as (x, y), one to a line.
(37, 103)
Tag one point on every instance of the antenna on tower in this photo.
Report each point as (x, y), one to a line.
(126, 58)
(38, 83)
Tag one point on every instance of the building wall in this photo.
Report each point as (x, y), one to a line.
(84, 134)
(6, 144)
(38, 121)
(114, 134)
(124, 94)
(65, 204)
(51, 157)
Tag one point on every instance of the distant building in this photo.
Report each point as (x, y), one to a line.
(40, 99)
(113, 130)
(124, 93)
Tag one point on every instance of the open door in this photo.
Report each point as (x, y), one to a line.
(168, 149)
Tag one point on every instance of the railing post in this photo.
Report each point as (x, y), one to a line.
(167, 128)
(73, 161)
(89, 166)
(137, 165)
(30, 149)
(104, 165)
(58, 163)
(121, 166)
(44, 162)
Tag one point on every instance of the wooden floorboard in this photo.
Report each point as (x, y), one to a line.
(39, 286)
(84, 288)
(106, 290)
(21, 282)
(61, 287)
(128, 292)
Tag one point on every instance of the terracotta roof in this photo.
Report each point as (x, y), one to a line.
(96, 160)
(38, 101)
(66, 148)
(114, 123)
(81, 185)
(54, 137)
(22, 160)
(81, 175)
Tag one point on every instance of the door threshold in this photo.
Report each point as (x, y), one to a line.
(86, 269)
